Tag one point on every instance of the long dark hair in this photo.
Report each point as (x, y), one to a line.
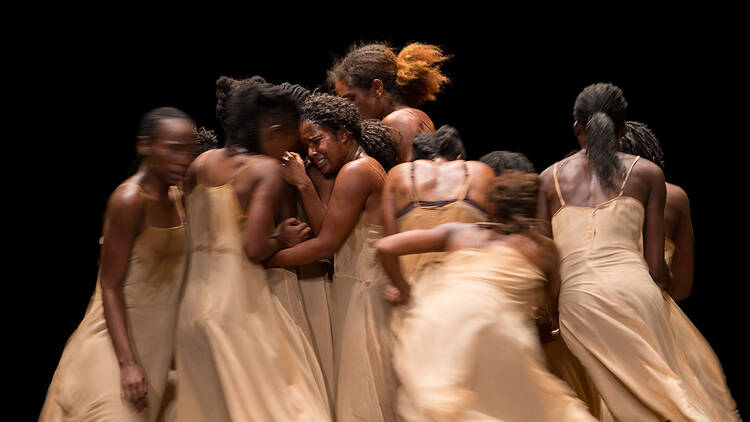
(600, 108)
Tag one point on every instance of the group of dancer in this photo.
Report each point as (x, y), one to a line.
(338, 258)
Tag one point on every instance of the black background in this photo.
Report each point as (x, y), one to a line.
(511, 89)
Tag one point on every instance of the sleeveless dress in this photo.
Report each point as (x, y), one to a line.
(365, 383)
(86, 384)
(469, 349)
(240, 356)
(645, 357)
(315, 286)
(430, 214)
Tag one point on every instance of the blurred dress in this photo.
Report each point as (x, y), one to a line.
(420, 215)
(240, 356)
(86, 384)
(469, 349)
(645, 357)
(365, 382)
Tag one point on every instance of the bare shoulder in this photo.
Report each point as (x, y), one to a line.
(127, 202)
(546, 176)
(649, 171)
(398, 173)
(480, 169)
(360, 169)
(263, 166)
(404, 116)
(678, 197)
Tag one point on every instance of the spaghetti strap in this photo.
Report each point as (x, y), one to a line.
(464, 193)
(627, 175)
(414, 197)
(557, 185)
(176, 194)
(378, 169)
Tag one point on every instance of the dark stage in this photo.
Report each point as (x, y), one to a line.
(509, 91)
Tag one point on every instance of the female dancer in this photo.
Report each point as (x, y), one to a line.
(240, 356)
(348, 229)
(114, 367)
(468, 349)
(425, 193)
(388, 87)
(627, 333)
(678, 226)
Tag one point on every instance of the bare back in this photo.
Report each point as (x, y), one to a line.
(404, 124)
(410, 185)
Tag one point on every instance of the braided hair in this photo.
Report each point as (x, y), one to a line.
(501, 161)
(334, 113)
(444, 142)
(600, 108)
(639, 140)
(413, 75)
(377, 143)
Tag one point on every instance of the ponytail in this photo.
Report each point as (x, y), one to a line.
(601, 147)
(418, 73)
(600, 109)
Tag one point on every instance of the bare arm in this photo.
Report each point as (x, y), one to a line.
(350, 191)
(411, 242)
(294, 173)
(388, 199)
(683, 261)
(653, 227)
(124, 216)
(402, 129)
(259, 238)
(542, 208)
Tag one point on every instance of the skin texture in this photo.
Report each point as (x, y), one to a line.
(165, 157)
(435, 181)
(450, 237)
(678, 226)
(356, 193)
(376, 103)
(258, 185)
(580, 187)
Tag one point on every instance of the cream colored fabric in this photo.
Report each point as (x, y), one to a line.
(647, 360)
(365, 383)
(428, 217)
(240, 356)
(564, 365)
(469, 350)
(316, 293)
(86, 384)
(669, 248)
(286, 288)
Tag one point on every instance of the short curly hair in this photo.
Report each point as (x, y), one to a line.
(332, 112)
(513, 196)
